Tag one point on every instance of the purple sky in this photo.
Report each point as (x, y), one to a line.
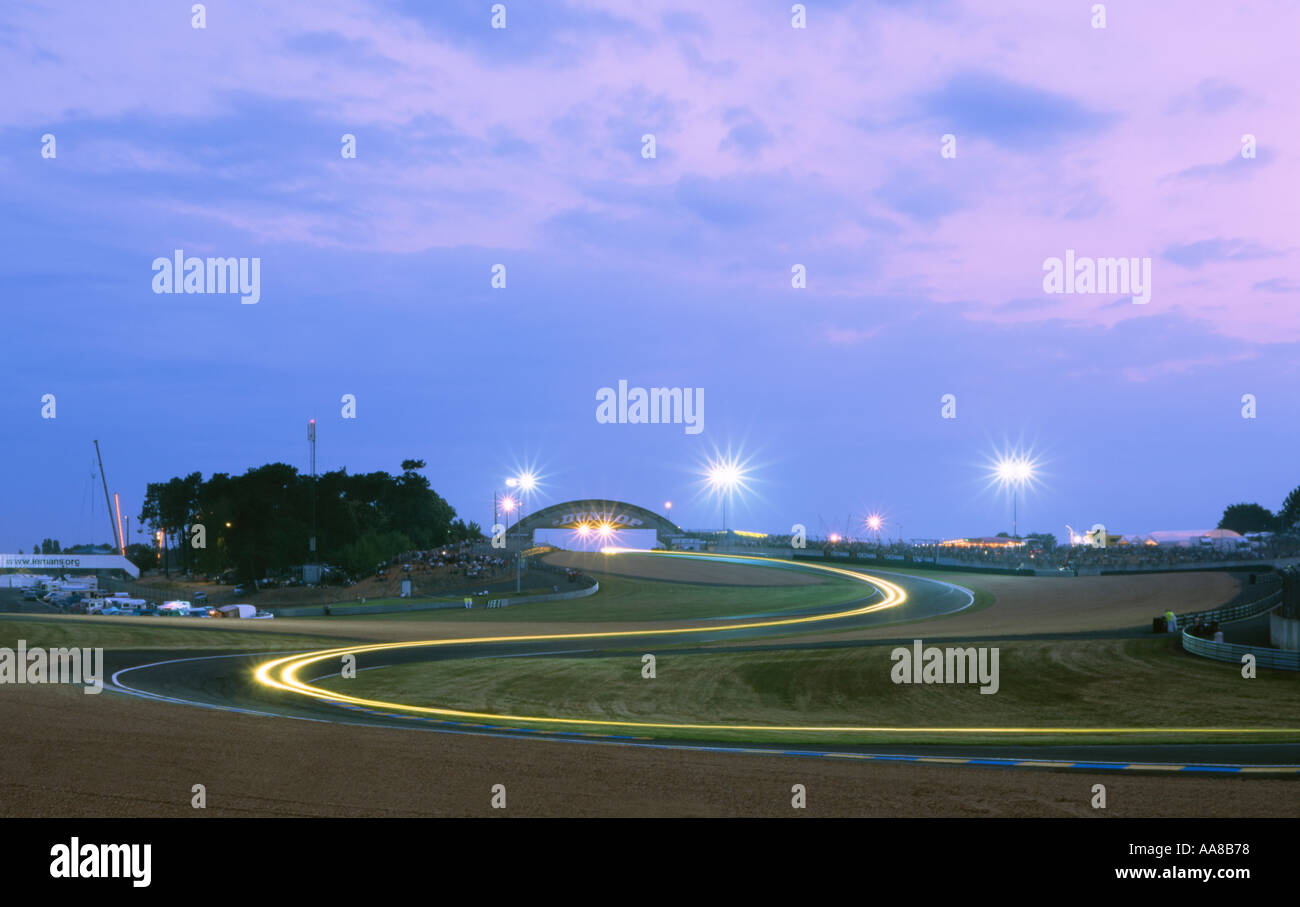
(775, 146)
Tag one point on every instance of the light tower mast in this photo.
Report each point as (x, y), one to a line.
(311, 545)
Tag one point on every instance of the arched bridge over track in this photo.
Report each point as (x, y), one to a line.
(619, 515)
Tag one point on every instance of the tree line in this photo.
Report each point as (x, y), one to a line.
(259, 524)
(1245, 518)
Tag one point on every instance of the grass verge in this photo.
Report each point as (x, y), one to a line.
(626, 599)
(132, 633)
(1104, 683)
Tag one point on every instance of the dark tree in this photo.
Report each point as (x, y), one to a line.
(1243, 518)
(1289, 518)
(145, 557)
(259, 523)
(1044, 539)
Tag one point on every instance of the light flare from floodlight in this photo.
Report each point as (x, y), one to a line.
(725, 478)
(726, 474)
(1014, 470)
(596, 535)
(525, 480)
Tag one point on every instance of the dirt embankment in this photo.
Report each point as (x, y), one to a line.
(70, 755)
(1024, 604)
(1031, 605)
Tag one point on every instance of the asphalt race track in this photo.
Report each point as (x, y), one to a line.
(230, 682)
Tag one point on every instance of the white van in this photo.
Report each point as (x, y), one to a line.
(244, 612)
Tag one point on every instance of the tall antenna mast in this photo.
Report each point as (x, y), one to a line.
(117, 539)
(311, 436)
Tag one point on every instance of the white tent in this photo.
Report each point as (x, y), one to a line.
(1187, 538)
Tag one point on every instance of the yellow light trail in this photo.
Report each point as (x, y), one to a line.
(282, 673)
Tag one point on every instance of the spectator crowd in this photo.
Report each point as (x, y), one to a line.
(449, 565)
(1077, 557)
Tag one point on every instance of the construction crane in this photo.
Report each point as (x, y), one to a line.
(117, 539)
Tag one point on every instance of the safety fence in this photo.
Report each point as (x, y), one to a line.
(1238, 611)
(1265, 657)
(1228, 651)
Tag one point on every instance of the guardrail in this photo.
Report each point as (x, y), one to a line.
(1265, 657)
(1228, 613)
(1230, 651)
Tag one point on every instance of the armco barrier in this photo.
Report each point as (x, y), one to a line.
(1229, 651)
(412, 605)
(1232, 652)
(1229, 613)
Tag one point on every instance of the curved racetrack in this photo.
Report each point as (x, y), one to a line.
(285, 686)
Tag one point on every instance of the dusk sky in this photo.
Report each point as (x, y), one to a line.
(774, 146)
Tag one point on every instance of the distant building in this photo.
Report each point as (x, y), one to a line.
(987, 541)
(1099, 537)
